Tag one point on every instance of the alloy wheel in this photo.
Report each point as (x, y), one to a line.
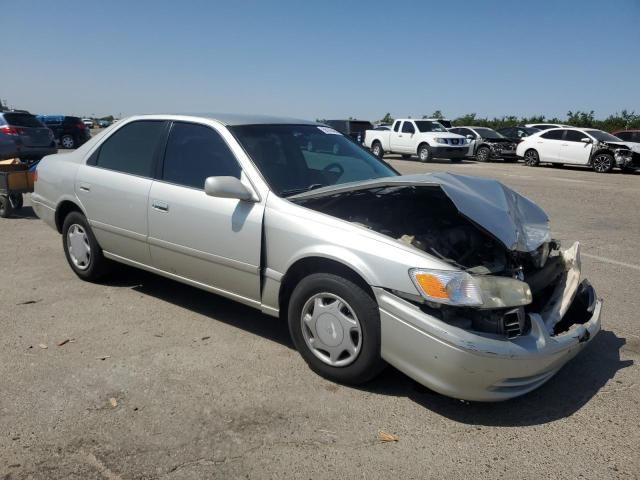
(602, 163)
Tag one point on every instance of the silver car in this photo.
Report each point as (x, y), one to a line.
(453, 280)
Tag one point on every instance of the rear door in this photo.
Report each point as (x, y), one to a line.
(32, 132)
(213, 241)
(114, 185)
(573, 150)
(548, 145)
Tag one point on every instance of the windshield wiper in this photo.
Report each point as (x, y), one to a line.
(294, 191)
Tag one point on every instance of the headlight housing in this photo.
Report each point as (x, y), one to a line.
(465, 290)
(441, 140)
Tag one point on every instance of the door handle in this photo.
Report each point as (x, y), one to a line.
(160, 206)
(85, 187)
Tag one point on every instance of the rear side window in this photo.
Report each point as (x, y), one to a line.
(396, 127)
(132, 148)
(553, 135)
(22, 120)
(195, 152)
(574, 136)
(407, 127)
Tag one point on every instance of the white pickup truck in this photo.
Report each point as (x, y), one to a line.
(426, 138)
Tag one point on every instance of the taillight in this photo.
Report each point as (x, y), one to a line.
(81, 125)
(12, 131)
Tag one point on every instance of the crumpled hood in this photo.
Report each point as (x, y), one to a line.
(633, 146)
(511, 218)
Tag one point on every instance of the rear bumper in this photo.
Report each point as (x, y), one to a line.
(472, 366)
(445, 151)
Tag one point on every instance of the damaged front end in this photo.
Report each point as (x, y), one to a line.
(625, 157)
(510, 276)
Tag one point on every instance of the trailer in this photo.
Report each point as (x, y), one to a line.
(16, 179)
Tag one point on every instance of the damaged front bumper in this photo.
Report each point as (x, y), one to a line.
(627, 159)
(483, 367)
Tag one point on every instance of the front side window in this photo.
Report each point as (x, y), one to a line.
(195, 152)
(574, 136)
(132, 148)
(553, 135)
(407, 127)
(297, 158)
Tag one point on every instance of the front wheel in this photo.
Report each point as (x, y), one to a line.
(602, 163)
(424, 153)
(335, 325)
(5, 206)
(531, 158)
(483, 154)
(82, 249)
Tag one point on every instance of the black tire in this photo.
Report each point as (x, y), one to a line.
(424, 153)
(483, 154)
(406, 157)
(17, 201)
(377, 150)
(368, 362)
(67, 141)
(531, 158)
(602, 162)
(5, 207)
(97, 266)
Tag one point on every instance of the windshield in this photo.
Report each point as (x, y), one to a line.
(429, 126)
(487, 133)
(297, 158)
(603, 136)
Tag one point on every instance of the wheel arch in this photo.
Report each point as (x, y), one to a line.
(422, 142)
(64, 208)
(598, 151)
(316, 264)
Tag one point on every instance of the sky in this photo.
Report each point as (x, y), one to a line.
(321, 59)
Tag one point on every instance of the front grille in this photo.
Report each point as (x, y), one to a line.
(453, 141)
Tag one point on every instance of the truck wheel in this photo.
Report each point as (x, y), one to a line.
(377, 150)
(602, 163)
(424, 153)
(483, 154)
(5, 207)
(335, 325)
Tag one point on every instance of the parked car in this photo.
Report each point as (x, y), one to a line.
(580, 146)
(104, 123)
(545, 126)
(486, 144)
(69, 132)
(23, 136)
(88, 122)
(628, 135)
(516, 134)
(454, 280)
(351, 128)
(426, 138)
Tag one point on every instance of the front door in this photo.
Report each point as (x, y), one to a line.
(573, 150)
(213, 241)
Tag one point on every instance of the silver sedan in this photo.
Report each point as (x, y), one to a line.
(453, 280)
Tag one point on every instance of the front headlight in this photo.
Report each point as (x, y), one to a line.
(441, 140)
(461, 289)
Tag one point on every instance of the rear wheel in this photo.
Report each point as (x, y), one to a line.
(424, 153)
(17, 201)
(483, 154)
(335, 325)
(602, 163)
(377, 150)
(531, 158)
(82, 249)
(67, 141)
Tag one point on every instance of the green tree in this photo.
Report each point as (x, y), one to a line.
(387, 118)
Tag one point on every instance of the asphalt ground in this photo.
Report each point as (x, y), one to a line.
(158, 380)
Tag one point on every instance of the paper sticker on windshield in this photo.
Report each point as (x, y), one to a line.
(329, 131)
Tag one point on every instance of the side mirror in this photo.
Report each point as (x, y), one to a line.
(585, 140)
(471, 137)
(227, 187)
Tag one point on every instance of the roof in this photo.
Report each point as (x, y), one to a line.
(231, 119)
